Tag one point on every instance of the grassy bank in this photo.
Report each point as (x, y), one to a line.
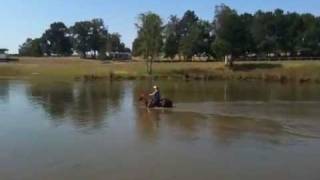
(74, 68)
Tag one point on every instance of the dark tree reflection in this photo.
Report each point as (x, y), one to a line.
(55, 98)
(93, 100)
(84, 103)
(4, 91)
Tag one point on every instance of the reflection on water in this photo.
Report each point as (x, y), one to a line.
(83, 103)
(227, 130)
(4, 91)
(151, 123)
(224, 129)
(217, 130)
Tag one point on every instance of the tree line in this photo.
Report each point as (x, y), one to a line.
(84, 37)
(228, 34)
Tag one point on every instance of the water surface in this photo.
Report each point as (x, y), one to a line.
(217, 130)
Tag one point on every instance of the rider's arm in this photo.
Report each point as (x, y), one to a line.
(153, 93)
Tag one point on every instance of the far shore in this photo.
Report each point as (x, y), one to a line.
(74, 68)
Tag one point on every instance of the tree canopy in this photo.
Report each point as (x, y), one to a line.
(32, 47)
(149, 40)
(56, 39)
(227, 34)
(83, 37)
(261, 34)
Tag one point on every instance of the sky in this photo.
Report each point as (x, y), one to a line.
(21, 19)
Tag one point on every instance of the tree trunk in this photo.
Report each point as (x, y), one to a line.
(84, 56)
(228, 61)
(151, 61)
(94, 54)
(149, 65)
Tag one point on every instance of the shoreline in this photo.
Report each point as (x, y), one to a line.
(89, 70)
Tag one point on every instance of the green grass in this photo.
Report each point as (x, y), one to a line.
(74, 68)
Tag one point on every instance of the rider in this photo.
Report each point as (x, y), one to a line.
(156, 97)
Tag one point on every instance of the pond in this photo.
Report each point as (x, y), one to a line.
(217, 130)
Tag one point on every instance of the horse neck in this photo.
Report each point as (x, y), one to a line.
(146, 100)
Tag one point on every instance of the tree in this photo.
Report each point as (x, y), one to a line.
(171, 43)
(81, 37)
(309, 40)
(205, 38)
(187, 37)
(98, 38)
(248, 44)
(150, 37)
(230, 33)
(188, 34)
(123, 48)
(263, 32)
(187, 21)
(294, 31)
(221, 48)
(32, 47)
(280, 25)
(90, 36)
(137, 47)
(171, 46)
(114, 43)
(57, 40)
(189, 43)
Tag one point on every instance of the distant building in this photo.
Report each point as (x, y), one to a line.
(5, 57)
(3, 54)
(119, 55)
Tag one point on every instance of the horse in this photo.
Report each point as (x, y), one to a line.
(164, 102)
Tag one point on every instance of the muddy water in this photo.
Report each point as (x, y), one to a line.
(217, 130)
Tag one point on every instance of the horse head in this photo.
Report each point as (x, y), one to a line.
(143, 97)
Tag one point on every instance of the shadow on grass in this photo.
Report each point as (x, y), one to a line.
(254, 66)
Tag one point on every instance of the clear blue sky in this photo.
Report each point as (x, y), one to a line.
(29, 18)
